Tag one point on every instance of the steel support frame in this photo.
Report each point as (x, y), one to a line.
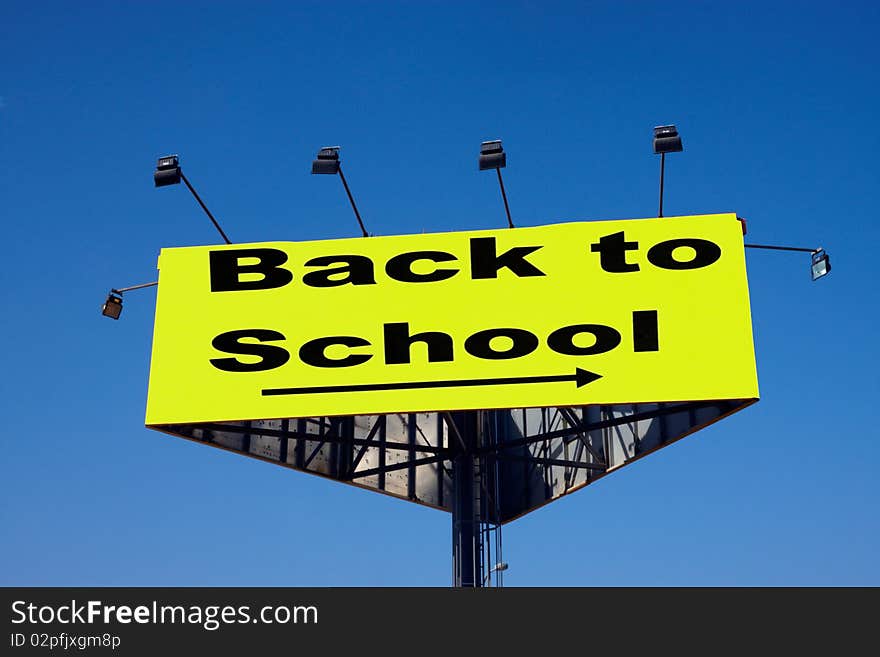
(470, 451)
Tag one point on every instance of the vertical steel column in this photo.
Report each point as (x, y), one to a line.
(467, 566)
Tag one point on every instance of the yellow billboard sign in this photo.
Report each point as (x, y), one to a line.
(570, 314)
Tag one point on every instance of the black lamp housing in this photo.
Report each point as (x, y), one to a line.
(667, 139)
(167, 171)
(327, 161)
(112, 307)
(820, 264)
(492, 155)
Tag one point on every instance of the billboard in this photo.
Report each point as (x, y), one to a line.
(566, 315)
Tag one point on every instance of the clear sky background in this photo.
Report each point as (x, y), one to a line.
(777, 105)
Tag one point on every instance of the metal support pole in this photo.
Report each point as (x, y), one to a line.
(781, 248)
(662, 171)
(467, 566)
(134, 287)
(353, 206)
(205, 208)
(504, 196)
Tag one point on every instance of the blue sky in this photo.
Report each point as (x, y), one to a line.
(777, 105)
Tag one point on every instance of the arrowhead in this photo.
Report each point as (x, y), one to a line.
(583, 377)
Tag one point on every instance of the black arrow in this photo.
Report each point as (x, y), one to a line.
(580, 377)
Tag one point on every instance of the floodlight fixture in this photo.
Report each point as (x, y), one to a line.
(168, 172)
(820, 263)
(492, 156)
(666, 140)
(498, 567)
(112, 307)
(327, 162)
